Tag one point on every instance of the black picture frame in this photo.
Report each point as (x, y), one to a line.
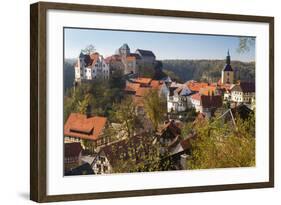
(38, 100)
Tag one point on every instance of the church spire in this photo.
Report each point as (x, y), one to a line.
(228, 58)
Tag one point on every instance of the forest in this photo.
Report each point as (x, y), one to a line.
(206, 70)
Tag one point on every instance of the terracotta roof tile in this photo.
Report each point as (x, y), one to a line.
(131, 58)
(208, 90)
(132, 87)
(155, 84)
(78, 125)
(196, 96)
(196, 86)
(142, 80)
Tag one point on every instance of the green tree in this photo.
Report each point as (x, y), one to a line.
(155, 108)
(83, 104)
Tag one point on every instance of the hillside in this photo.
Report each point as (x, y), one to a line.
(207, 70)
(183, 70)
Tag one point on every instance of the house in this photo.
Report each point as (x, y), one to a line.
(110, 158)
(243, 92)
(242, 111)
(206, 104)
(179, 99)
(91, 66)
(146, 56)
(72, 155)
(131, 88)
(168, 134)
(79, 127)
(227, 74)
(138, 88)
(84, 169)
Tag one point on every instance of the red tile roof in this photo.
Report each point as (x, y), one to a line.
(142, 80)
(131, 58)
(196, 96)
(72, 149)
(155, 84)
(208, 90)
(78, 125)
(196, 86)
(132, 87)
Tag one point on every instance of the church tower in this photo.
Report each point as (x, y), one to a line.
(227, 74)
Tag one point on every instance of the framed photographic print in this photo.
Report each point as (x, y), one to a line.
(134, 102)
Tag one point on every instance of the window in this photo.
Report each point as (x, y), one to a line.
(102, 159)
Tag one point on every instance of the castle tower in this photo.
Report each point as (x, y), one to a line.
(227, 74)
(124, 50)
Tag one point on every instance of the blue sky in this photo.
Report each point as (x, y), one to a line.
(164, 45)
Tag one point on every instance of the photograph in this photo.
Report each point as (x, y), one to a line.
(149, 101)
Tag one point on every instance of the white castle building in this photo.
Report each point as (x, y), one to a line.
(91, 66)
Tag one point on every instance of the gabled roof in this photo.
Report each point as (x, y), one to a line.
(142, 80)
(208, 101)
(72, 149)
(170, 126)
(183, 91)
(243, 111)
(78, 125)
(146, 53)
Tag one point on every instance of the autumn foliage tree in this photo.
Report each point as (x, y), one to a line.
(223, 145)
